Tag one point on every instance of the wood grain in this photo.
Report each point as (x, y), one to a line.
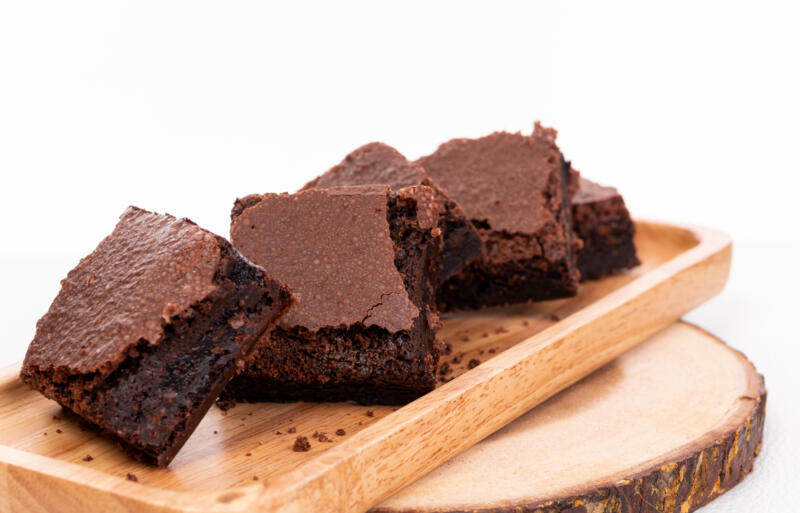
(666, 427)
(539, 349)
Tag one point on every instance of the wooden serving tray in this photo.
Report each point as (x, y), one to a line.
(237, 461)
(665, 428)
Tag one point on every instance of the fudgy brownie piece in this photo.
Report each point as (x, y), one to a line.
(148, 328)
(604, 224)
(377, 163)
(364, 263)
(514, 189)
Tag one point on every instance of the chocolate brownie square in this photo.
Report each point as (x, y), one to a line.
(148, 329)
(602, 221)
(364, 263)
(514, 189)
(377, 163)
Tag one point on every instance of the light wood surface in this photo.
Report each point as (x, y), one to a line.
(666, 427)
(539, 349)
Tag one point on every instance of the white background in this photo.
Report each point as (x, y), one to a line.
(691, 109)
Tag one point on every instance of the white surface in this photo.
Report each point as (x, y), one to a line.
(690, 109)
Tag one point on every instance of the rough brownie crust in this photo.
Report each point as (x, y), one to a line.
(378, 163)
(149, 396)
(514, 188)
(604, 224)
(368, 362)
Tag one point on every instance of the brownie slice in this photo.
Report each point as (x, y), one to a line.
(377, 163)
(515, 190)
(602, 221)
(148, 329)
(364, 262)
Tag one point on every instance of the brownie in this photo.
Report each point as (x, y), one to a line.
(147, 330)
(515, 190)
(364, 263)
(602, 221)
(377, 163)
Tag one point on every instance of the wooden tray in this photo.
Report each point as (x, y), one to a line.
(236, 461)
(666, 427)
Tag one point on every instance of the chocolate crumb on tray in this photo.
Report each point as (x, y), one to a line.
(364, 262)
(148, 328)
(301, 444)
(515, 190)
(225, 404)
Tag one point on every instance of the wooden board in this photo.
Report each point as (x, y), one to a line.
(666, 427)
(539, 349)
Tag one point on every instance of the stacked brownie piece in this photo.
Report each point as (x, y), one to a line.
(148, 328)
(377, 163)
(364, 261)
(516, 190)
(602, 221)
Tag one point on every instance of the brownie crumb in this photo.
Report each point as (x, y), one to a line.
(480, 352)
(501, 329)
(554, 317)
(485, 335)
(215, 432)
(225, 404)
(444, 368)
(465, 338)
(45, 433)
(56, 417)
(525, 323)
(248, 454)
(132, 477)
(340, 432)
(59, 431)
(278, 433)
(370, 413)
(292, 430)
(473, 363)
(448, 349)
(255, 478)
(323, 438)
(457, 359)
(301, 444)
(492, 350)
(88, 457)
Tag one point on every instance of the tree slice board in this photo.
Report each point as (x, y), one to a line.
(666, 427)
(242, 460)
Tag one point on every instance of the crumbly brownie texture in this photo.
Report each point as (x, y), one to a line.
(364, 263)
(604, 224)
(514, 189)
(148, 328)
(377, 163)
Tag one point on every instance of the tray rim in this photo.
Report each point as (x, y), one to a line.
(282, 494)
